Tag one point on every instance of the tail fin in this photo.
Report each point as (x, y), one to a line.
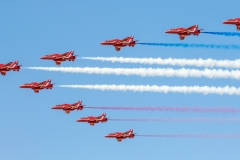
(195, 27)
(71, 52)
(68, 54)
(79, 103)
(130, 131)
(13, 64)
(132, 37)
(103, 116)
(47, 82)
(128, 39)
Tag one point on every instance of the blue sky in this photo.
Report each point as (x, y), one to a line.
(31, 29)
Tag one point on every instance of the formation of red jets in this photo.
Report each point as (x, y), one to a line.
(92, 120)
(69, 56)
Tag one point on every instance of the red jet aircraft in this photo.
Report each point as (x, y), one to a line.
(183, 32)
(9, 66)
(234, 21)
(117, 43)
(69, 107)
(121, 135)
(36, 86)
(58, 58)
(92, 120)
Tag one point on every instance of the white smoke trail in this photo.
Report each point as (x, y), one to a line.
(150, 72)
(163, 89)
(210, 63)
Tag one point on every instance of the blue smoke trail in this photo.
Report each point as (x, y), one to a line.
(224, 33)
(185, 45)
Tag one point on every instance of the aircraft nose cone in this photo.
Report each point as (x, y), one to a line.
(102, 43)
(22, 86)
(78, 120)
(168, 31)
(228, 22)
(56, 107)
(43, 57)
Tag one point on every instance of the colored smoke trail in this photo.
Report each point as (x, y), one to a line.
(173, 109)
(180, 120)
(224, 33)
(193, 135)
(162, 89)
(175, 62)
(185, 45)
(149, 72)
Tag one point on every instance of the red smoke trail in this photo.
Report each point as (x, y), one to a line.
(193, 135)
(173, 109)
(181, 120)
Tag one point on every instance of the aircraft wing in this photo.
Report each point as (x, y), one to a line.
(69, 107)
(125, 134)
(186, 31)
(7, 65)
(39, 84)
(63, 55)
(118, 42)
(190, 29)
(60, 56)
(97, 118)
(125, 39)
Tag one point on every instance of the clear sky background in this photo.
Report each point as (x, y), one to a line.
(30, 130)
